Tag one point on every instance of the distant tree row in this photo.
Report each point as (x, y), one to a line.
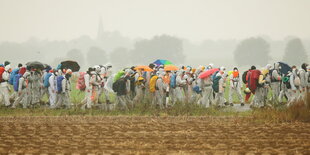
(144, 52)
(256, 51)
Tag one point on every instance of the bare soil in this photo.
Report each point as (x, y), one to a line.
(151, 135)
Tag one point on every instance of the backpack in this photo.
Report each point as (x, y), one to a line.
(214, 75)
(215, 84)
(119, 86)
(119, 75)
(253, 79)
(46, 82)
(12, 75)
(16, 82)
(80, 84)
(244, 77)
(1, 72)
(173, 82)
(271, 77)
(153, 83)
(297, 81)
(132, 80)
(59, 83)
(286, 81)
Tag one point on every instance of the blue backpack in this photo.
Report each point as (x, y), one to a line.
(59, 83)
(12, 76)
(16, 82)
(173, 82)
(46, 83)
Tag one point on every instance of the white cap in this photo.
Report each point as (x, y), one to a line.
(268, 66)
(7, 67)
(222, 68)
(69, 71)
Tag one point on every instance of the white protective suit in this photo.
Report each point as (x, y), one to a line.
(160, 93)
(188, 90)
(207, 92)
(259, 98)
(95, 84)
(52, 90)
(294, 92)
(180, 84)
(106, 73)
(4, 87)
(64, 96)
(219, 97)
(275, 83)
(139, 86)
(35, 82)
(235, 88)
(23, 92)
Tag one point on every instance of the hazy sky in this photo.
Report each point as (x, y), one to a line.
(193, 19)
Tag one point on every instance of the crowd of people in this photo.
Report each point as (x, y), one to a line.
(159, 84)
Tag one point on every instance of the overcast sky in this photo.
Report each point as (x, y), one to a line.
(192, 19)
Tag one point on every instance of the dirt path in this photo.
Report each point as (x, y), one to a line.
(132, 135)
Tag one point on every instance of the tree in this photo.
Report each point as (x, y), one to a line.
(252, 51)
(295, 52)
(96, 56)
(120, 57)
(159, 47)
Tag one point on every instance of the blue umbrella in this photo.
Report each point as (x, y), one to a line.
(159, 62)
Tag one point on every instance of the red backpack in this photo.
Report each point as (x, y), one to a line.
(1, 72)
(253, 77)
(81, 82)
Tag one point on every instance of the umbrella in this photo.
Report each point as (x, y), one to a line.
(47, 66)
(159, 62)
(35, 65)
(171, 68)
(285, 68)
(208, 73)
(73, 65)
(145, 68)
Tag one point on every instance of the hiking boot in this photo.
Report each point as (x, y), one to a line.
(231, 104)
(226, 104)
(242, 104)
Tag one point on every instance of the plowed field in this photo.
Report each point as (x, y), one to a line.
(151, 135)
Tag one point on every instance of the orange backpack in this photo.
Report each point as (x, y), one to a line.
(1, 72)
